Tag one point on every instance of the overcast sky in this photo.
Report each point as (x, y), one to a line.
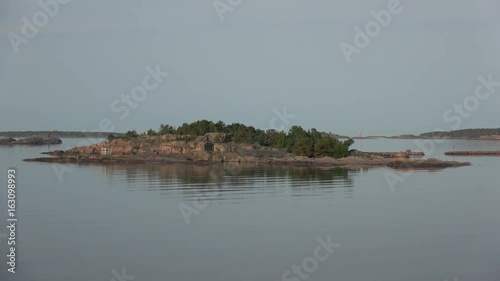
(263, 55)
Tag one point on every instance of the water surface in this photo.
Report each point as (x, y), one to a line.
(254, 223)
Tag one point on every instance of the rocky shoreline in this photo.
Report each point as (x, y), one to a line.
(348, 162)
(216, 148)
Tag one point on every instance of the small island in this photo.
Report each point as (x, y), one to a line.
(206, 142)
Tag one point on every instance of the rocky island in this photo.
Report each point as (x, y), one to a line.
(212, 148)
(206, 142)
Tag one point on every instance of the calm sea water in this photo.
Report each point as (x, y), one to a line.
(92, 222)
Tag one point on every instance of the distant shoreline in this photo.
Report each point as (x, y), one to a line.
(466, 134)
(29, 141)
(57, 134)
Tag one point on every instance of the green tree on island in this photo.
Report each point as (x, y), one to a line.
(311, 143)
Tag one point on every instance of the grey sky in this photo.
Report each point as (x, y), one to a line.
(264, 55)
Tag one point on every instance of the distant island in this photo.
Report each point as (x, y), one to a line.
(465, 134)
(208, 142)
(469, 134)
(55, 134)
(30, 141)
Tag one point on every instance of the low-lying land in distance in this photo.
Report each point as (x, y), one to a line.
(466, 134)
(29, 141)
(55, 134)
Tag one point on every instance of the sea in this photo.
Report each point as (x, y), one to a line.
(230, 222)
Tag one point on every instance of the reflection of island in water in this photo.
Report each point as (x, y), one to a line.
(190, 180)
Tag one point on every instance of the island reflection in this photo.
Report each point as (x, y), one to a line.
(191, 179)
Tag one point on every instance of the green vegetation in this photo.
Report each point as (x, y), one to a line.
(298, 141)
(466, 133)
(127, 136)
(309, 143)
